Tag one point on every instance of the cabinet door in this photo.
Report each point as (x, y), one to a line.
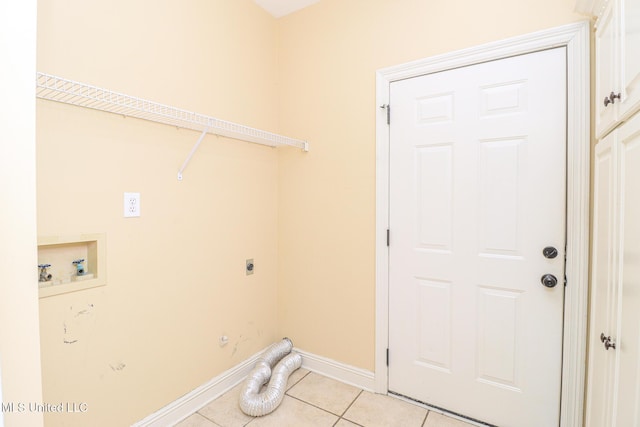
(630, 57)
(607, 77)
(603, 292)
(627, 396)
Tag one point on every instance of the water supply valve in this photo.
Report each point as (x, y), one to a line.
(79, 267)
(44, 275)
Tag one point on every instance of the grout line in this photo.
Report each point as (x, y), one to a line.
(296, 383)
(349, 421)
(424, 422)
(311, 404)
(203, 416)
(340, 416)
(349, 407)
(351, 404)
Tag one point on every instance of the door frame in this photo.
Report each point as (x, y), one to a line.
(575, 38)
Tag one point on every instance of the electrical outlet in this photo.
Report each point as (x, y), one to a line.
(131, 205)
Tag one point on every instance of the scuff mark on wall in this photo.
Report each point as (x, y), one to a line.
(65, 340)
(86, 311)
(241, 340)
(117, 367)
(77, 324)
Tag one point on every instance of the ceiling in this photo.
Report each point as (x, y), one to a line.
(279, 8)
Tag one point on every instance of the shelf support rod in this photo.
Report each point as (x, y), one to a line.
(193, 150)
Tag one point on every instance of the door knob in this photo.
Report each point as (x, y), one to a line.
(550, 252)
(549, 280)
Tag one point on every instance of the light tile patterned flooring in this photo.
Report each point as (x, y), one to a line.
(313, 400)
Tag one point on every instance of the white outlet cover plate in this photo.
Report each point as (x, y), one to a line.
(131, 205)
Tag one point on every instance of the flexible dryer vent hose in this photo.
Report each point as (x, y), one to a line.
(256, 403)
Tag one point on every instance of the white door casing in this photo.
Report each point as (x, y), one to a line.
(575, 37)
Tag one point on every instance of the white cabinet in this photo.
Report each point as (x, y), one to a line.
(613, 377)
(626, 411)
(606, 52)
(613, 390)
(630, 58)
(603, 289)
(617, 62)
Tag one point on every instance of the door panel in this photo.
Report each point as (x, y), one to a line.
(500, 176)
(434, 170)
(477, 190)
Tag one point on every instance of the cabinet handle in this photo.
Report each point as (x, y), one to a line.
(611, 99)
(607, 342)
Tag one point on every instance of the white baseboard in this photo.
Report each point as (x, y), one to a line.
(193, 401)
(358, 377)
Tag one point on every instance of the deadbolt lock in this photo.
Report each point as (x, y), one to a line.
(550, 252)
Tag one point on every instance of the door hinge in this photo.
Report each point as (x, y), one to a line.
(387, 108)
(387, 357)
(565, 262)
(387, 237)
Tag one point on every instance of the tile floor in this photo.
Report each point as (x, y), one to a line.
(313, 400)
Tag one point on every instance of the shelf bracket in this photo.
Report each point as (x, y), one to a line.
(193, 150)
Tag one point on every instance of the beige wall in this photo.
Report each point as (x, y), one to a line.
(176, 275)
(176, 279)
(19, 335)
(329, 54)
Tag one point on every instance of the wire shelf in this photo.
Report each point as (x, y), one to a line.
(58, 89)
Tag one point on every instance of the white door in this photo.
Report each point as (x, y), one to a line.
(477, 191)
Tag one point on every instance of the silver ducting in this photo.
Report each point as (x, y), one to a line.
(257, 403)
